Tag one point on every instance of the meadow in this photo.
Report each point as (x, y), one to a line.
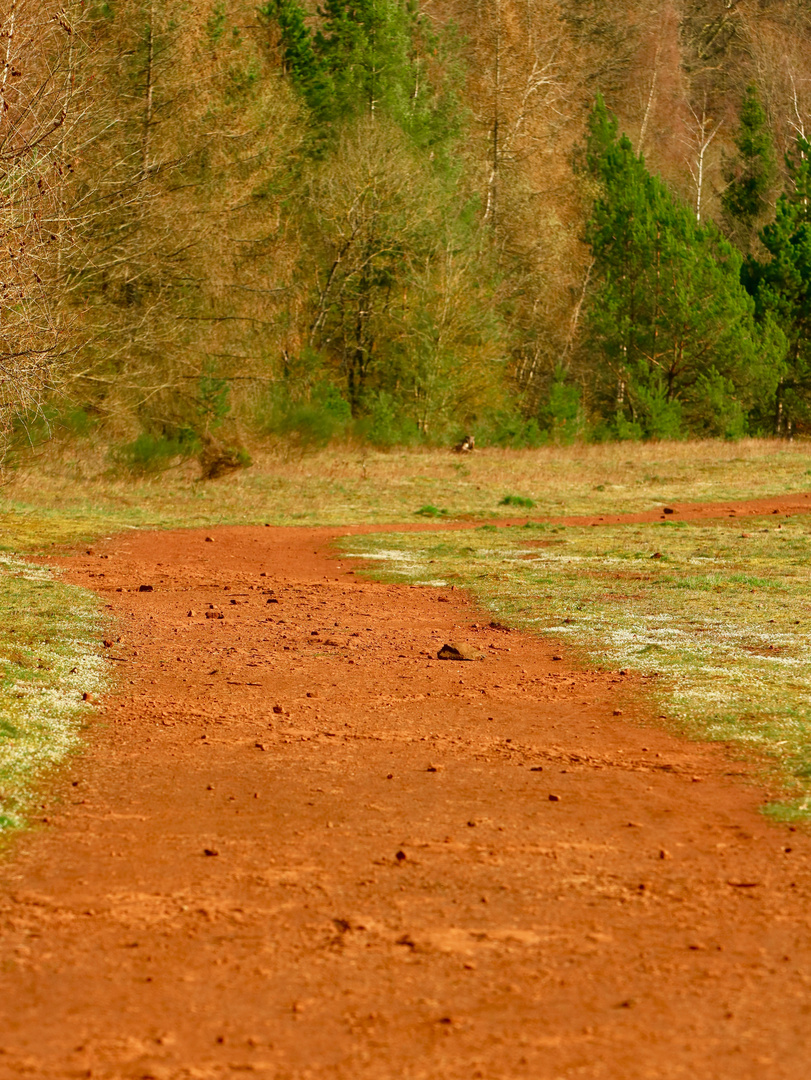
(720, 618)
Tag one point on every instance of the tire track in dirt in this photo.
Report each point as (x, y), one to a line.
(392, 891)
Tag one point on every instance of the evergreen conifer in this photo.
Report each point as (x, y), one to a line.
(670, 325)
(751, 174)
(782, 289)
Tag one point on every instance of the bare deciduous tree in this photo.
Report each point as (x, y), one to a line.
(38, 112)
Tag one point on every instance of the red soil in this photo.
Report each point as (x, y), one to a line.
(416, 869)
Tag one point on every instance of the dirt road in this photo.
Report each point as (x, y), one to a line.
(298, 846)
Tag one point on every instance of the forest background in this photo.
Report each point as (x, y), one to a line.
(400, 222)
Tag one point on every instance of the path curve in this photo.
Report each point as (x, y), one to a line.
(298, 846)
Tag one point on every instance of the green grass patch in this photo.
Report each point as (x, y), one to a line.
(48, 659)
(721, 623)
(431, 511)
(517, 500)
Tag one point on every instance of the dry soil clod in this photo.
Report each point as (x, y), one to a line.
(458, 652)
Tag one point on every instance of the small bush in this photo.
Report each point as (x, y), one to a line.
(430, 511)
(150, 453)
(510, 429)
(309, 422)
(385, 423)
(562, 415)
(517, 500)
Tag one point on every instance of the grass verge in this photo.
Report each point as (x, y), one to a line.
(48, 660)
(717, 615)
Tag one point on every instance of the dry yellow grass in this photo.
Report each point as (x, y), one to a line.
(64, 495)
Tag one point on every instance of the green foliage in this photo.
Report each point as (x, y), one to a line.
(385, 423)
(751, 174)
(430, 511)
(722, 413)
(517, 500)
(508, 428)
(561, 416)
(308, 419)
(213, 398)
(302, 63)
(150, 453)
(399, 302)
(63, 419)
(781, 285)
(215, 27)
(669, 322)
(367, 57)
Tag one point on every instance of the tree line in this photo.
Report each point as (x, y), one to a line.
(397, 223)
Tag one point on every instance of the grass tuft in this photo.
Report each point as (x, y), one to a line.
(517, 500)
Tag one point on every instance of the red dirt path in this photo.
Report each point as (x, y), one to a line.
(394, 893)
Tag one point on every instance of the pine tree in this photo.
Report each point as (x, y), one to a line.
(368, 58)
(668, 316)
(750, 176)
(308, 71)
(782, 289)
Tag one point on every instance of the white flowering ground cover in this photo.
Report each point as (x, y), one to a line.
(717, 615)
(49, 659)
